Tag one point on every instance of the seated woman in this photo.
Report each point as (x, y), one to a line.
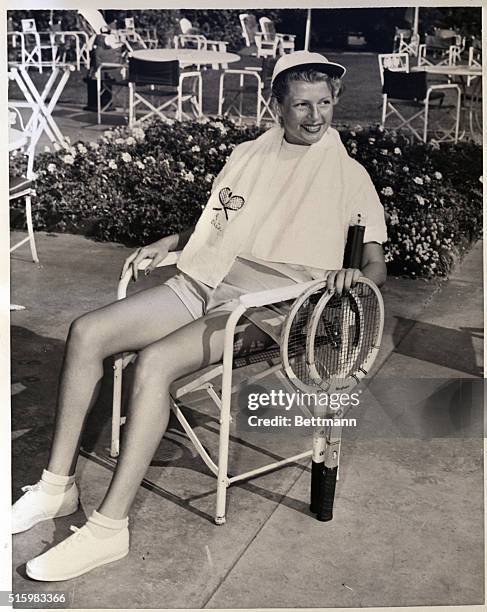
(278, 213)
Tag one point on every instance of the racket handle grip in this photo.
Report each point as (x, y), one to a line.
(352, 257)
(327, 493)
(316, 474)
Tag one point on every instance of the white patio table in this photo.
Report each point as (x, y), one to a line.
(187, 57)
(52, 89)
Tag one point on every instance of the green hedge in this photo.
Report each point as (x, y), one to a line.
(136, 185)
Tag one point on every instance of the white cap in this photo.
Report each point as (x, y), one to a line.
(302, 58)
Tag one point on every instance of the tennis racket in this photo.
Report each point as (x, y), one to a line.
(328, 343)
(343, 342)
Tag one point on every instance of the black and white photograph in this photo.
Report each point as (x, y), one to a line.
(243, 305)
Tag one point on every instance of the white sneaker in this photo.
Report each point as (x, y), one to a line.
(36, 505)
(78, 554)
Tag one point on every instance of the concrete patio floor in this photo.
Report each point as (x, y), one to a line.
(408, 524)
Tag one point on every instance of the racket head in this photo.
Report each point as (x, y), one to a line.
(344, 337)
(294, 338)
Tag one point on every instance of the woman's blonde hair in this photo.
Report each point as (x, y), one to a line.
(308, 74)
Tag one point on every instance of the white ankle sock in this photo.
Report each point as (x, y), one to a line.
(54, 484)
(102, 526)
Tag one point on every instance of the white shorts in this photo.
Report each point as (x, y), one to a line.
(244, 277)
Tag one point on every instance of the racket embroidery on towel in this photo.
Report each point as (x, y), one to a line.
(229, 202)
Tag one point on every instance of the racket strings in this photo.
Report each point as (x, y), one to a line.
(346, 333)
(297, 339)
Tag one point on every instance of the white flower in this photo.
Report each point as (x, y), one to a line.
(212, 151)
(139, 164)
(188, 176)
(438, 175)
(112, 165)
(223, 147)
(405, 168)
(189, 138)
(56, 146)
(195, 149)
(130, 141)
(94, 146)
(108, 134)
(397, 151)
(126, 157)
(384, 151)
(47, 149)
(51, 168)
(151, 159)
(371, 140)
(119, 141)
(394, 219)
(219, 125)
(209, 177)
(352, 133)
(68, 159)
(418, 180)
(420, 199)
(82, 149)
(387, 191)
(138, 133)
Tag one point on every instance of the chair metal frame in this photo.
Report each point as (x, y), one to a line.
(31, 132)
(104, 66)
(263, 103)
(223, 401)
(195, 97)
(399, 62)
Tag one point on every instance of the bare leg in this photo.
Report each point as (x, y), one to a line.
(190, 348)
(129, 324)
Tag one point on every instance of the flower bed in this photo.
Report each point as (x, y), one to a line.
(136, 185)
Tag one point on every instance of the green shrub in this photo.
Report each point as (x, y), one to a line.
(136, 185)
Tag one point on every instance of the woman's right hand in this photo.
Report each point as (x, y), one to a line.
(156, 252)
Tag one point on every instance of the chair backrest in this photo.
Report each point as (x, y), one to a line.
(249, 28)
(29, 130)
(404, 85)
(406, 33)
(268, 28)
(129, 23)
(94, 19)
(185, 25)
(395, 62)
(29, 26)
(144, 72)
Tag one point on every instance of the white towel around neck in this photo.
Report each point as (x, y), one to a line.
(305, 218)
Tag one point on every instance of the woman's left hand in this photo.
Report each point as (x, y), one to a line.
(342, 280)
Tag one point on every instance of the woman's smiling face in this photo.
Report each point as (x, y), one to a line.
(306, 111)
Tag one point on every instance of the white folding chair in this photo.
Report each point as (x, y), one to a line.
(253, 81)
(399, 86)
(23, 186)
(33, 45)
(255, 38)
(207, 380)
(162, 80)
